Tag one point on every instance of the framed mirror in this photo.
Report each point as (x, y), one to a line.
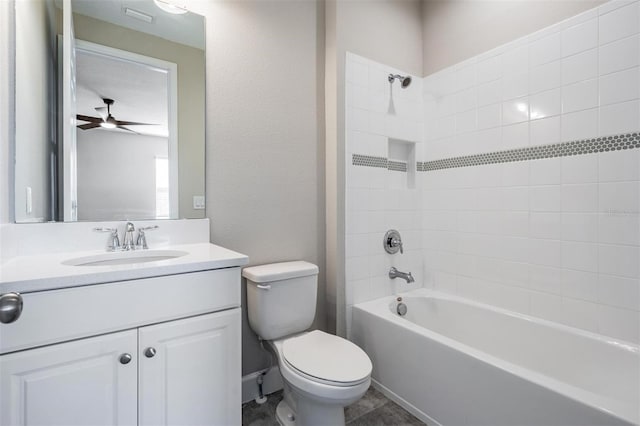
(109, 111)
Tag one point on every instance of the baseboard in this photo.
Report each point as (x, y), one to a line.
(272, 382)
(424, 417)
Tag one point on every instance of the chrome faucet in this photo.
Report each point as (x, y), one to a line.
(394, 273)
(114, 241)
(142, 237)
(129, 243)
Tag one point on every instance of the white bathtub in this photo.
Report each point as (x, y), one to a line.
(456, 362)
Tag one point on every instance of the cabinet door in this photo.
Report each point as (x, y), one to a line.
(82, 382)
(194, 376)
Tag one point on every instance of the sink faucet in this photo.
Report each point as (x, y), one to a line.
(129, 243)
(114, 241)
(394, 273)
(142, 237)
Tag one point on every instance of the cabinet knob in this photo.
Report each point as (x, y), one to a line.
(125, 358)
(150, 352)
(10, 307)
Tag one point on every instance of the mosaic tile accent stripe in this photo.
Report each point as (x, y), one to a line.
(369, 161)
(563, 149)
(397, 166)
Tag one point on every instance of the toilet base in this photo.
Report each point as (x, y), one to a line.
(284, 414)
(310, 414)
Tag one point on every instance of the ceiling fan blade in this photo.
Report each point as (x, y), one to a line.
(103, 112)
(133, 123)
(89, 126)
(89, 119)
(128, 130)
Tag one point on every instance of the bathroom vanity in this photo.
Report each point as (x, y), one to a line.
(148, 343)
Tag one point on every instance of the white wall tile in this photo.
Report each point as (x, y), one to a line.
(619, 23)
(618, 166)
(465, 77)
(620, 86)
(582, 66)
(515, 110)
(619, 228)
(545, 50)
(515, 85)
(546, 104)
(580, 125)
(489, 69)
(490, 93)
(579, 96)
(545, 131)
(545, 172)
(545, 198)
(619, 55)
(545, 225)
(618, 291)
(580, 198)
(619, 118)
(580, 37)
(618, 260)
(580, 227)
(489, 116)
(619, 197)
(580, 256)
(579, 284)
(515, 136)
(545, 77)
(580, 169)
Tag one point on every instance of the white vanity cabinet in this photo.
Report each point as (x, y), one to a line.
(154, 351)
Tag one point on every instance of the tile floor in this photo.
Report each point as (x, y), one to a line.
(373, 409)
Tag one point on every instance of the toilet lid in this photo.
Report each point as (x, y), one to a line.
(327, 357)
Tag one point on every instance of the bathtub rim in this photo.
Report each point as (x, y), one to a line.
(618, 409)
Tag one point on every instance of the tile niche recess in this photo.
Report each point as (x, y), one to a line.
(402, 161)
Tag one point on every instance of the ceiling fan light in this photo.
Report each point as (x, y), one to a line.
(170, 7)
(107, 125)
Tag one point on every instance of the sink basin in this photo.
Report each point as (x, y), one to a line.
(125, 257)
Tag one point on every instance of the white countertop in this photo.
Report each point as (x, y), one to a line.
(40, 272)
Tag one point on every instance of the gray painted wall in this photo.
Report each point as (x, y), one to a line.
(265, 163)
(454, 30)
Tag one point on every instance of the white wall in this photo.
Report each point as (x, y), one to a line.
(556, 238)
(264, 145)
(454, 30)
(117, 174)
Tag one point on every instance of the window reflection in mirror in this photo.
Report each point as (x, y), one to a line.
(139, 103)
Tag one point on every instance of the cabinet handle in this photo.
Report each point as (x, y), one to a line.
(10, 307)
(125, 358)
(150, 352)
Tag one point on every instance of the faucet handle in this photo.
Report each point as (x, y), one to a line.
(114, 241)
(142, 238)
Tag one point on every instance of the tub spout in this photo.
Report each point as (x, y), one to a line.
(394, 273)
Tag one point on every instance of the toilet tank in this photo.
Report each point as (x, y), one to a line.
(281, 298)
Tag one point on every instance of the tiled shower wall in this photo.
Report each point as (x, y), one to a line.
(378, 197)
(553, 237)
(520, 199)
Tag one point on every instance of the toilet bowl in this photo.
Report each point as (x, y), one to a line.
(322, 373)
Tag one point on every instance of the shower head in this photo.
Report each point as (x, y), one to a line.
(404, 81)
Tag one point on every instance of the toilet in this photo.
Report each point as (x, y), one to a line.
(322, 373)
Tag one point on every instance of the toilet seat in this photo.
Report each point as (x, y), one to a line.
(327, 359)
